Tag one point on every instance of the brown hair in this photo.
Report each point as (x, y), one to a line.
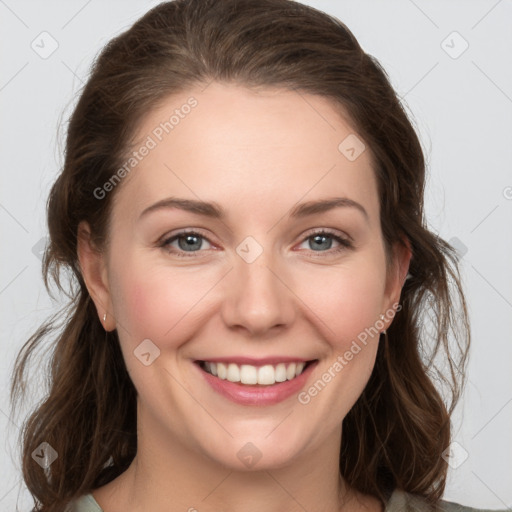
(395, 434)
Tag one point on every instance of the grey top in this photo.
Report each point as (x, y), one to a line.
(399, 501)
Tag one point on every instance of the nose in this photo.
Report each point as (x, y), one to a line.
(258, 298)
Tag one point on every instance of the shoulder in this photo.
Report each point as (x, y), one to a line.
(85, 503)
(401, 501)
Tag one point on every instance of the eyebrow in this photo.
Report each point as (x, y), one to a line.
(215, 211)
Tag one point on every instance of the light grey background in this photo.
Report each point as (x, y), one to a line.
(462, 106)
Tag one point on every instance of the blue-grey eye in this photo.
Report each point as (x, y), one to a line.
(188, 241)
(323, 241)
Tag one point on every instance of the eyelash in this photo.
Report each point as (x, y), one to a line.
(344, 243)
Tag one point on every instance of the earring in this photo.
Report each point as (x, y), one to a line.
(383, 318)
(104, 317)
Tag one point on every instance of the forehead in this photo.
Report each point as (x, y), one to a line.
(241, 147)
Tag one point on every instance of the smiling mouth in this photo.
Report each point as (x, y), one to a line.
(246, 374)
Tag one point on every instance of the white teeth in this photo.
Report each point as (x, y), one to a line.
(266, 375)
(233, 374)
(299, 369)
(222, 371)
(247, 374)
(280, 374)
(290, 371)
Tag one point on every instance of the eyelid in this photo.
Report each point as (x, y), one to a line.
(168, 237)
(345, 241)
(330, 231)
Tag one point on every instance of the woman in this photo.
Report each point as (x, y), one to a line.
(215, 355)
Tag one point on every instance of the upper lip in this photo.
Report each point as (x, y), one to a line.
(253, 361)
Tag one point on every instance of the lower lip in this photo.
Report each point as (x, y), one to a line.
(258, 395)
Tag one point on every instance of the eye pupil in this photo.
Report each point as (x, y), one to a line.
(189, 242)
(322, 237)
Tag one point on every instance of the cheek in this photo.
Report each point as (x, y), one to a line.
(346, 300)
(151, 303)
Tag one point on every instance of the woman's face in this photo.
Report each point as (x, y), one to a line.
(253, 284)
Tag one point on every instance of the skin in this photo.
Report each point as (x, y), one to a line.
(257, 154)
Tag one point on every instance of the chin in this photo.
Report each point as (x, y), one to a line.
(255, 453)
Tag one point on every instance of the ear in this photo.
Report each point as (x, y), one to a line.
(401, 259)
(94, 271)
